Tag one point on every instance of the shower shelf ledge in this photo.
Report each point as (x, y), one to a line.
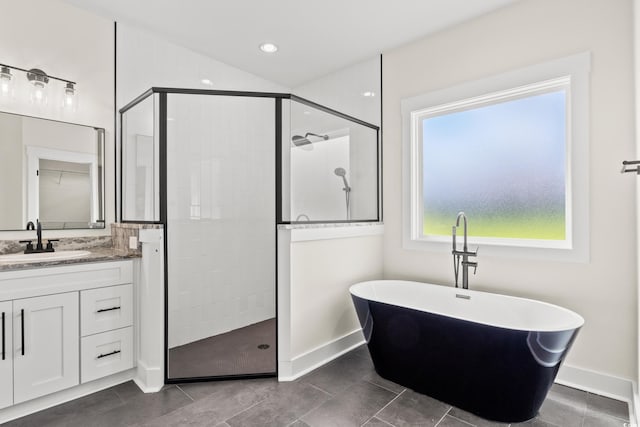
(306, 232)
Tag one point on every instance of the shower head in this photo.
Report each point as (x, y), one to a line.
(301, 141)
(341, 172)
(325, 137)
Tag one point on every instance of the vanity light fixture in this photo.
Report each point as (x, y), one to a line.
(369, 94)
(6, 82)
(70, 98)
(39, 83)
(206, 82)
(268, 47)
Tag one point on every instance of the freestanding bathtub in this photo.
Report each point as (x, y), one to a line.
(493, 355)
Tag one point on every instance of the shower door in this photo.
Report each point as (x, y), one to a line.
(221, 248)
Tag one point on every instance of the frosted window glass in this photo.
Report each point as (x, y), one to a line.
(503, 164)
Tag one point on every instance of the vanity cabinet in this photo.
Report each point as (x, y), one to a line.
(63, 326)
(40, 343)
(6, 354)
(46, 345)
(107, 331)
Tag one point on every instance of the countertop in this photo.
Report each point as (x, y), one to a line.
(97, 254)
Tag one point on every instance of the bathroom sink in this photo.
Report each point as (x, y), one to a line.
(43, 256)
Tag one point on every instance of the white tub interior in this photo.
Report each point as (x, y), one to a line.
(481, 307)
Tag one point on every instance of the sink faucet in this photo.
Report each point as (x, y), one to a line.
(39, 235)
(39, 247)
(465, 254)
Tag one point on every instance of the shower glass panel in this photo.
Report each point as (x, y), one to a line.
(140, 171)
(220, 236)
(330, 166)
(220, 170)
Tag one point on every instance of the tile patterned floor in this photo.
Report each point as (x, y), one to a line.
(345, 392)
(233, 353)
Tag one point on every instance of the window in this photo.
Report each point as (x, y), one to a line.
(510, 151)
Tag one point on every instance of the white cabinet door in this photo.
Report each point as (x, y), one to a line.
(46, 345)
(6, 354)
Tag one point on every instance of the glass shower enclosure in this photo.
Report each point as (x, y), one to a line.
(221, 170)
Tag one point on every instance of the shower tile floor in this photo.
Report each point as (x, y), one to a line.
(345, 392)
(247, 350)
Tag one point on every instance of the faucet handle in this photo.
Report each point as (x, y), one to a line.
(29, 247)
(49, 247)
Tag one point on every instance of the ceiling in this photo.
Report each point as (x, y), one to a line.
(315, 38)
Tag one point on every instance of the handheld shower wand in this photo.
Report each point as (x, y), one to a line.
(341, 172)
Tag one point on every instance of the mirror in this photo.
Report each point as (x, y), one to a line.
(52, 172)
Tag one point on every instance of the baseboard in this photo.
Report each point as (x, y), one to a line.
(149, 380)
(602, 384)
(50, 400)
(321, 355)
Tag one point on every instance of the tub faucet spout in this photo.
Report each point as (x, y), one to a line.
(465, 253)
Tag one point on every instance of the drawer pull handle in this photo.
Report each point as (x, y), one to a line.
(102, 310)
(3, 338)
(22, 329)
(108, 354)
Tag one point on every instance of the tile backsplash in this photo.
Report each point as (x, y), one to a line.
(121, 234)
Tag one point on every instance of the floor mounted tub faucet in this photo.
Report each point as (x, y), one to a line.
(464, 254)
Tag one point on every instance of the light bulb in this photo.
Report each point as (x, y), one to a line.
(39, 80)
(6, 82)
(70, 97)
(39, 93)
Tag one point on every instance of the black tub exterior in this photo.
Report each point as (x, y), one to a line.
(498, 374)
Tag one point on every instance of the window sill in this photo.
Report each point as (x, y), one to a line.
(579, 254)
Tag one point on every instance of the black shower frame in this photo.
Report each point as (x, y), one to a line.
(162, 165)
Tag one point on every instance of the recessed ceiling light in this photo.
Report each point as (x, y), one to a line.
(368, 94)
(207, 82)
(268, 48)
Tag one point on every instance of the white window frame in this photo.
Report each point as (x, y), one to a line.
(574, 70)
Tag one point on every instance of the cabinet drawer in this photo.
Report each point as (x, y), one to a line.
(106, 353)
(105, 309)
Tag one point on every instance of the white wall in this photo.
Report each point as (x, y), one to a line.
(315, 189)
(322, 272)
(343, 89)
(602, 290)
(69, 43)
(316, 267)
